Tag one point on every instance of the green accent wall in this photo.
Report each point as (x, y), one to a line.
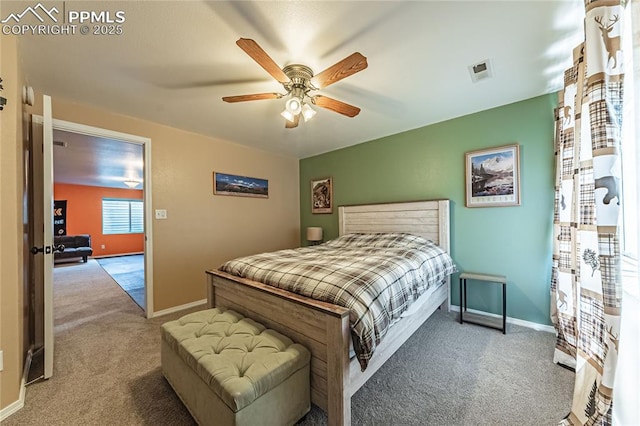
(428, 163)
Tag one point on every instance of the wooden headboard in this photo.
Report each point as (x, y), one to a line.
(429, 219)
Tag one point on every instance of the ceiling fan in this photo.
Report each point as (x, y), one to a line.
(298, 80)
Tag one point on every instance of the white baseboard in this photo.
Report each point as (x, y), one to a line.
(19, 404)
(15, 406)
(104, 256)
(179, 308)
(515, 321)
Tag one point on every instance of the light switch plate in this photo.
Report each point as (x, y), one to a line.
(161, 214)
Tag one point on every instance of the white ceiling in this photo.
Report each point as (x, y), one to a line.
(176, 59)
(88, 160)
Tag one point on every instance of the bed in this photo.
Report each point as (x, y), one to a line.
(324, 327)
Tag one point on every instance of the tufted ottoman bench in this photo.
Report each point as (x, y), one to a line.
(229, 370)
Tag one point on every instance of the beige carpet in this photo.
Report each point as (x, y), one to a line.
(107, 359)
(107, 370)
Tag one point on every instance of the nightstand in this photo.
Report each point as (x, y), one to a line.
(478, 318)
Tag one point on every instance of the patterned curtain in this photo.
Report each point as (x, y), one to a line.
(586, 275)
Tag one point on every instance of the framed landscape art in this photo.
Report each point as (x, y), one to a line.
(242, 186)
(492, 177)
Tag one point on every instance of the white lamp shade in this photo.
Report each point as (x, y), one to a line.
(286, 114)
(294, 105)
(307, 112)
(314, 233)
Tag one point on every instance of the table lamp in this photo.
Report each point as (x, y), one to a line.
(314, 235)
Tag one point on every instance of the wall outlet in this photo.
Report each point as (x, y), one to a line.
(102, 247)
(1, 360)
(161, 214)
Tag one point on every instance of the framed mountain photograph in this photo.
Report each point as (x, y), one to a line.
(242, 186)
(492, 177)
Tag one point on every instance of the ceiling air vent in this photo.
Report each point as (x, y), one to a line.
(481, 71)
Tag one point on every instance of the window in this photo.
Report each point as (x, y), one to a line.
(630, 160)
(628, 149)
(121, 216)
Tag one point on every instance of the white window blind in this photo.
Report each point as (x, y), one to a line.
(121, 216)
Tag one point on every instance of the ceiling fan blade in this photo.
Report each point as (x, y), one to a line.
(252, 49)
(346, 67)
(290, 125)
(254, 97)
(335, 105)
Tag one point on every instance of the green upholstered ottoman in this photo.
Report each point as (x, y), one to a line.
(229, 370)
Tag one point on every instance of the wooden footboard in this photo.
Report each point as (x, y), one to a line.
(321, 327)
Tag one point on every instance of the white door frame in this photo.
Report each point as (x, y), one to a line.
(47, 231)
(82, 129)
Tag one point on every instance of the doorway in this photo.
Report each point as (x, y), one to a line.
(98, 199)
(97, 134)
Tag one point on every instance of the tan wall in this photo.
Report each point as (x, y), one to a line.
(11, 181)
(203, 230)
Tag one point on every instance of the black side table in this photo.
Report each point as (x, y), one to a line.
(478, 318)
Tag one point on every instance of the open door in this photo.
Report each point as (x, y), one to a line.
(42, 251)
(42, 175)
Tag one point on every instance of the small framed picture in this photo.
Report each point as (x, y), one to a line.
(492, 177)
(322, 195)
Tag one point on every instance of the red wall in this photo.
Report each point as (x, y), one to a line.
(84, 216)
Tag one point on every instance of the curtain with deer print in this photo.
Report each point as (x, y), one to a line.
(586, 275)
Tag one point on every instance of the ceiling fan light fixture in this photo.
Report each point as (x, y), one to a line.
(307, 112)
(132, 183)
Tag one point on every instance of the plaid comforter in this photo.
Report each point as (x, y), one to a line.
(376, 276)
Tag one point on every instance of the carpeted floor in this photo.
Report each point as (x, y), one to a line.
(128, 272)
(107, 370)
